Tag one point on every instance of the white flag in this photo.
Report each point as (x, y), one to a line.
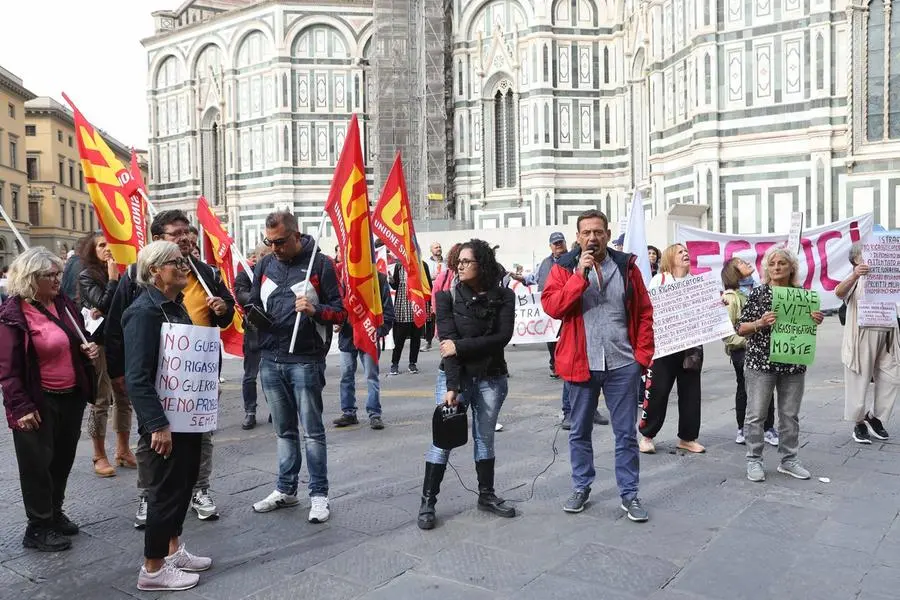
(636, 236)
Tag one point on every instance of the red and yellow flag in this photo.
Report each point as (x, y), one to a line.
(392, 221)
(348, 209)
(219, 250)
(114, 193)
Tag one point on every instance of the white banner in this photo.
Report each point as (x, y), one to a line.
(533, 325)
(187, 377)
(824, 252)
(882, 254)
(688, 313)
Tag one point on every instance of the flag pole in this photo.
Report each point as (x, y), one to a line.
(242, 260)
(300, 289)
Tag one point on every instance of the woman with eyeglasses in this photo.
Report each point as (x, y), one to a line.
(47, 379)
(172, 463)
(475, 320)
(97, 285)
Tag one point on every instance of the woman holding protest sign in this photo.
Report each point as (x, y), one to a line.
(681, 367)
(172, 459)
(47, 378)
(764, 377)
(870, 352)
(737, 275)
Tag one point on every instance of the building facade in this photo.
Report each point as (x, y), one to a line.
(13, 177)
(723, 114)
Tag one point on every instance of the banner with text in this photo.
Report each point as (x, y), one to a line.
(187, 377)
(533, 325)
(823, 257)
(688, 313)
(882, 254)
(793, 339)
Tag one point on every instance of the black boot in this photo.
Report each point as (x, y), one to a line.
(434, 474)
(487, 499)
(45, 539)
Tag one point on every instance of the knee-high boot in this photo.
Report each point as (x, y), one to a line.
(434, 474)
(487, 499)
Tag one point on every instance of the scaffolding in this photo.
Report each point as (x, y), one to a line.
(410, 116)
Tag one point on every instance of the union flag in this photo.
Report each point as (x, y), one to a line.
(218, 249)
(348, 209)
(115, 194)
(393, 225)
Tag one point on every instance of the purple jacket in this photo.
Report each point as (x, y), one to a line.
(20, 376)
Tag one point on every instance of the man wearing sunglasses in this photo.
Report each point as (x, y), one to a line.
(293, 376)
(214, 311)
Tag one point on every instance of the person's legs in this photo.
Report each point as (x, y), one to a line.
(486, 399)
(98, 417)
(662, 375)
(790, 396)
(760, 389)
(887, 386)
(206, 455)
(415, 341)
(551, 348)
(566, 404)
(373, 401)
(434, 454)
(251, 374)
(583, 398)
(307, 382)
(688, 404)
(34, 455)
(348, 382)
(620, 388)
(401, 332)
(70, 411)
(283, 405)
(740, 394)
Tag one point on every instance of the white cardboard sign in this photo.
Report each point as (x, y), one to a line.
(688, 313)
(187, 377)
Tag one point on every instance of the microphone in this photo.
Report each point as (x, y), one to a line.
(587, 270)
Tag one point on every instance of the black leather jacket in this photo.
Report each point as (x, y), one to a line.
(96, 291)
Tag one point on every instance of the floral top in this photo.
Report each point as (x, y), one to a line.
(757, 358)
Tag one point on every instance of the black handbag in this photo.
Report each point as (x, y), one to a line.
(449, 426)
(258, 317)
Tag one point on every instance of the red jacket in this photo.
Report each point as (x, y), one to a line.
(561, 298)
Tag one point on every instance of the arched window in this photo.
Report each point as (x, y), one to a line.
(462, 134)
(212, 167)
(707, 75)
(168, 73)
(605, 64)
(875, 81)
(546, 123)
(606, 124)
(820, 62)
(504, 140)
(546, 63)
(284, 90)
(459, 84)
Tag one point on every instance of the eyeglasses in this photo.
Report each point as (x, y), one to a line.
(179, 263)
(177, 233)
(465, 262)
(277, 243)
(51, 275)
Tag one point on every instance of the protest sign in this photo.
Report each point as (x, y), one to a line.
(872, 313)
(793, 241)
(688, 313)
(882, 254)
(822, 257)
(187, 377)
(794, 332)
(533, 325)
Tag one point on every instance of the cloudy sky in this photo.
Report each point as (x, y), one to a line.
(91, 50)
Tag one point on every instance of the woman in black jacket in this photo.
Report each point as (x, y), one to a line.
(475, 321)
(97, 284)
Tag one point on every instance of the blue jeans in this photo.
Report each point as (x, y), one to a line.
(485, 395)
(292, 391)
(621, 388)
(348, 383)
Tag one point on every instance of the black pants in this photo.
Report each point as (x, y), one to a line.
(402, 332)
(740, 395)
(551, 347)
(45, 456)
(664, 374)
(170, 487)
(251, 372)
(429, 329)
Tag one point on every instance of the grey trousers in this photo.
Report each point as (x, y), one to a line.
(206, 450)
(761, 389)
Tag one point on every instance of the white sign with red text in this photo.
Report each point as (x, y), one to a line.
(533, 325)
(187, 377)
(824, 252)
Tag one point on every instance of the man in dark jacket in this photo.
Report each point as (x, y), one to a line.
(349, 356)
(293, 376)
(73, 267)
(242, 287)
(210, 311)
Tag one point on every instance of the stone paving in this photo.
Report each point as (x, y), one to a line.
(712, 534)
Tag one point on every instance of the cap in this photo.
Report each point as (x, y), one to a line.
(557, 236)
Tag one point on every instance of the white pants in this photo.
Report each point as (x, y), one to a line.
(875, 361)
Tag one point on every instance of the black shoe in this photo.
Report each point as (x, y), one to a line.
(553, 374)
(249, 421)
(876, 428)
(345, 420)
(577, 501)
(395, 370)
(861, 434)
(635, 510)
(376, 423)
(64, 526)
(413, 369)
(434, 474)
(487, 499)
(599, 419)
(45, 539)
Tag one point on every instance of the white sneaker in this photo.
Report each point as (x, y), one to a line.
(771, 437)
(276, 500)
(184, 560)
(318, 509)
(498, 427)
(739, 438)
(140, 518)
(204, 506)
(169, 577)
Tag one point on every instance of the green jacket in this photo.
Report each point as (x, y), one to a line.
(735, 301)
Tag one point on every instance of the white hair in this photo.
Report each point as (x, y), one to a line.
(25, 269)
(789, 257)
(154, 254)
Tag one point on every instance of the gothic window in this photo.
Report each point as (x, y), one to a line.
(820, 62)
(462, 134)
(605, 64)
(320, 42)
(534, 122)
(706, 13)
(459, 84)
(284, 90)
(546, 123)
(606, 124)
(211, 148)
(168, 73)
(707, 74)
(504, 140)
(285, 144)
(820, 192)
(546, 63)
(875, 83)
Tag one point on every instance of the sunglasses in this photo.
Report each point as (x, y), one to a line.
(276, 243)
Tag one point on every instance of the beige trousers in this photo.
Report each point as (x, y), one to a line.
(875, 361)
(99, 413)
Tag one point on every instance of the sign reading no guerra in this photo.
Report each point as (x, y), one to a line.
(187, 377)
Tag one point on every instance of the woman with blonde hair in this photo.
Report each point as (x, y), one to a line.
(764, 377)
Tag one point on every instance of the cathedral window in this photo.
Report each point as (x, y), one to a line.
(505, 155)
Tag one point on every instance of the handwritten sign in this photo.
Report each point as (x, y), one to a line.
(793, 241)
(688, 313)
(871, 313)
(794, 332)
(882, 254)
(533, 325)
(187, 377)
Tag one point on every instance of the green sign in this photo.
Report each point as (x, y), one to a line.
(794, 332)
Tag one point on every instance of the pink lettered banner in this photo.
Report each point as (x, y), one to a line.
(823, 257)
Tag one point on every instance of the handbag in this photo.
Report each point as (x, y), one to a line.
(449, 426)
(693, 359)
(258, 317)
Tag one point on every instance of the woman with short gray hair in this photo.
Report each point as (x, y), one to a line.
(47, 380)
(869, 353)
(171, 460)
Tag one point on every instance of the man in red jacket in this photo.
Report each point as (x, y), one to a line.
(605, 345)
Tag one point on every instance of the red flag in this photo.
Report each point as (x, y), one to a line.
(219, 250)
(392, 221)
(348, 209)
